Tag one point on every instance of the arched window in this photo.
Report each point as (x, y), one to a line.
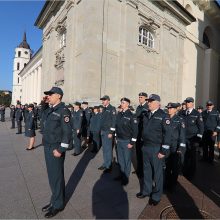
(205, 40)
(19, 53)
(18, 66)
(146, 37)
(18, 80)
(25, 64)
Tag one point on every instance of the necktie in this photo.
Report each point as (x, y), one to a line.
(150, 115)
(188, 112)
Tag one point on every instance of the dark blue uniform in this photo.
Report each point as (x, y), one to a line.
(2, 113)
(126, 133)
(211, 124)
(36, 116)
(140, 111)
(19, 118)
(194, 132)
(94, 131)
(57, 134)
(85, 121)
(108, 117)
(156, 139)
(29, 125)
(177, 150)
(76, 122)
(12, 116)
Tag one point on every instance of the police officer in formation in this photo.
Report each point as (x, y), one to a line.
(194, 131)
(108, 118)
(156, 143)
(12, 116)
(94, 129)
(30, 127)
(140, 111)
(19, 118)
(57, 135)
(126, 136)
(177, 147)
(211, 120)
(76, 122)
(2, 113)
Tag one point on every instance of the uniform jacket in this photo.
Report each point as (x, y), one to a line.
(178, 134)
(18, 114)
(156, 130)
(86, 117)
(194, 124)
(57, 127)
(108, 117)
(12, 113)
(29, 125)
(76, 119)
(127, 126)
(211, 120)
(141, 109)
(95, 123)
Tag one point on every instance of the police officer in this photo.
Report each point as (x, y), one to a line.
(12, 116)
(156, 138)
(30, 127)
(76, 121)
(126, 135)
(36, 115)
(177, 146)
(199, 109)
(2, 113)
(194, 131)
(56, 139)
(107, 130)
(140, 111)
(19, 118)
(85, 122)
(211, 120)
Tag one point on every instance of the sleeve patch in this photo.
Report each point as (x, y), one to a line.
(167, 122)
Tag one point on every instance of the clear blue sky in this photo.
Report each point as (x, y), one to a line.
(15, 18)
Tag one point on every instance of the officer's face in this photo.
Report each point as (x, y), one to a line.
(172, 111)
(209, 107)
(54, 99)
(153, 105)
(105, 102)
(189, 105)
(124, 105)
(142, 99)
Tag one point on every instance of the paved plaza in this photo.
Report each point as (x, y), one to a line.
(24, 186)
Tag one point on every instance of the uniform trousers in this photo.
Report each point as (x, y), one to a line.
(153, 171)
(95, 140)
(2, 117)
(13, 123)
(107, 149)
(77, 142)
(208, 142)
(124, 156)
(19, 124)
(55, 171)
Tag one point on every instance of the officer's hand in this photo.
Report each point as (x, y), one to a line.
(87, 138)
(214, 134)
(77, 131)
(160, 156)
(109, 135)
(56, 153)
(130, 146)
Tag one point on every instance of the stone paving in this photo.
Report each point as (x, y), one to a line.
(24, 186)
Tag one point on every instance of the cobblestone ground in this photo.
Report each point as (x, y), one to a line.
(24, 187)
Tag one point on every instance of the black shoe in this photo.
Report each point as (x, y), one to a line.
(94, 151)
(52, 212)
(118, 178)
(107, 170)
(153, 202)
(124, 182)
(30, 148)
(46, 208)
(101, 168)
(140, 195)
(75, 154)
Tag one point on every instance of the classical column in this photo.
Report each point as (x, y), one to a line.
(35, 85)
(39, 84)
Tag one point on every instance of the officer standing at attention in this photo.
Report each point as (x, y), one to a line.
(19, 118)
(2, 113)
(177, 146)
(211, 120)
(94, 129)
(126, 135)
(156, 138)
(30, 127)
(194, 131)
(57, 135)
(140, 111)
(107, 130)
(76, 120)
(12, 116)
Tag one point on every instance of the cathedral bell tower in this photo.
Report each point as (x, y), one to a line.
(22, 57)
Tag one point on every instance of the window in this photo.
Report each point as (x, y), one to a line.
(19, 53)
(205, 40)
(146, 37)
(63, 39)
(18, 66)
(18, 80)
(25, 64)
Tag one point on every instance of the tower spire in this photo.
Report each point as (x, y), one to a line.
(24, 37)
(24, 43)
